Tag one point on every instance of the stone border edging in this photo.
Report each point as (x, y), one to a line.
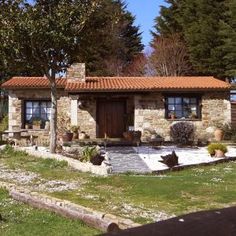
(178, 168)
(75, 164)
(96, 219)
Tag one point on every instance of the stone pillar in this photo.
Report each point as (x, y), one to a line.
(76, 73)
(74, 110)
(14, 114)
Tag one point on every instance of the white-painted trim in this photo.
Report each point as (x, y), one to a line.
(74, 111)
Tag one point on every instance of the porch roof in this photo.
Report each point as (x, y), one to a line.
(121, 84)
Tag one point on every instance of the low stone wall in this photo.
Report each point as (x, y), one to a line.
(96, 219)
(102, 170)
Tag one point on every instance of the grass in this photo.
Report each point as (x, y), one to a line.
(132, 196)
(20, 219)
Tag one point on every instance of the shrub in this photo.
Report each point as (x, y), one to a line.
(182, 132)
(88, 153)
(4, 124)
(229, 132)
(216, 146)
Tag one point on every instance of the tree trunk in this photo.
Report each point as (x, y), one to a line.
(53, 120)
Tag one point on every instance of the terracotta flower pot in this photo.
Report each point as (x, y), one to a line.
(219, 134)
(75, 135)
(82, 135)
(67, 137)
(219, 154)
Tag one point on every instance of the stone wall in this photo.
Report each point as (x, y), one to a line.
(150, 114)
(16, 109)
(87, 117)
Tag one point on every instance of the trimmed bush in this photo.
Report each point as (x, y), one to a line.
(182, 132)
(216, 146)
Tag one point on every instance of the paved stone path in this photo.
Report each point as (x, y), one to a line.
(125, 159)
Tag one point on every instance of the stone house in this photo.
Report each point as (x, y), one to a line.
(112, 105)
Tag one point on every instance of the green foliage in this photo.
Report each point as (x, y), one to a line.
(228, 36)
(43, 36)
(9, 151)
(208, 30)
(182, 132)
(109, 41)
(216, 146)
(21, 219)
(53, 164)
(88, 153)
(4, 124)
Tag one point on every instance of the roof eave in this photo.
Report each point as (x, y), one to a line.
(147, 90)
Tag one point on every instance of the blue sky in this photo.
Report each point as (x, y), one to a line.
(145, 12)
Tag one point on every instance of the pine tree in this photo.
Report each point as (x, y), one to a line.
(109, 41)
(228, 34)
(167, 23)
(199, 24)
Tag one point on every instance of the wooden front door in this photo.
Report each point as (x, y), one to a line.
(111, 118)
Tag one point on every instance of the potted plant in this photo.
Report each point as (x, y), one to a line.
(172, 115)
(82, 135)
(67, 136)
(27, 126)
(75, 130)
(219, 133)
(36, 123)
(217, 149)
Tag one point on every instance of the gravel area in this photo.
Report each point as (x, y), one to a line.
(34, 181)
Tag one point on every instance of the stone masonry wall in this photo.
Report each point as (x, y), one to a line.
(150, 114)
(17, 97)
(87, 118)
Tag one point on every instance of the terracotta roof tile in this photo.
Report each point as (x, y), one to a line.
(96, 84)
(109, 84)
(31, 82)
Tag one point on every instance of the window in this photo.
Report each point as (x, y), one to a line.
(182, 107)
(37, 110)
(233, 96)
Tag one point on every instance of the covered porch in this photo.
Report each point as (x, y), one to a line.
(103, 116)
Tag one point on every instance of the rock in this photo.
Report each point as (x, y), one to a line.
(170, 160)
(97, 160)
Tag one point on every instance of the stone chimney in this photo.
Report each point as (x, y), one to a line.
(76, 73)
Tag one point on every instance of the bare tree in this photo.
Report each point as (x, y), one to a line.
(169, 56)
(137, 67)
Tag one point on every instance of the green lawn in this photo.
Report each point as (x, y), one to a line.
(140, 197)
(20, 219)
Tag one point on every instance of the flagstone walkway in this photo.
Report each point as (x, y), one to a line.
(125, 159)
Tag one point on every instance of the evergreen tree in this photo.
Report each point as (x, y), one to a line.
(228, 34)
(109, 41)
(167, 23)
(199, 24)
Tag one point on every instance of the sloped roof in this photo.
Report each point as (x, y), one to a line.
(31, 82)
(119, 84)
(97, 84)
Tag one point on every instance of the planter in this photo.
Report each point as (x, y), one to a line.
(172, 116)
(47, 125)
(82, 135)
(67, 137)
(36, 126)
(27, 126)
(219, 154)
(219, 134)
(75, 135)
